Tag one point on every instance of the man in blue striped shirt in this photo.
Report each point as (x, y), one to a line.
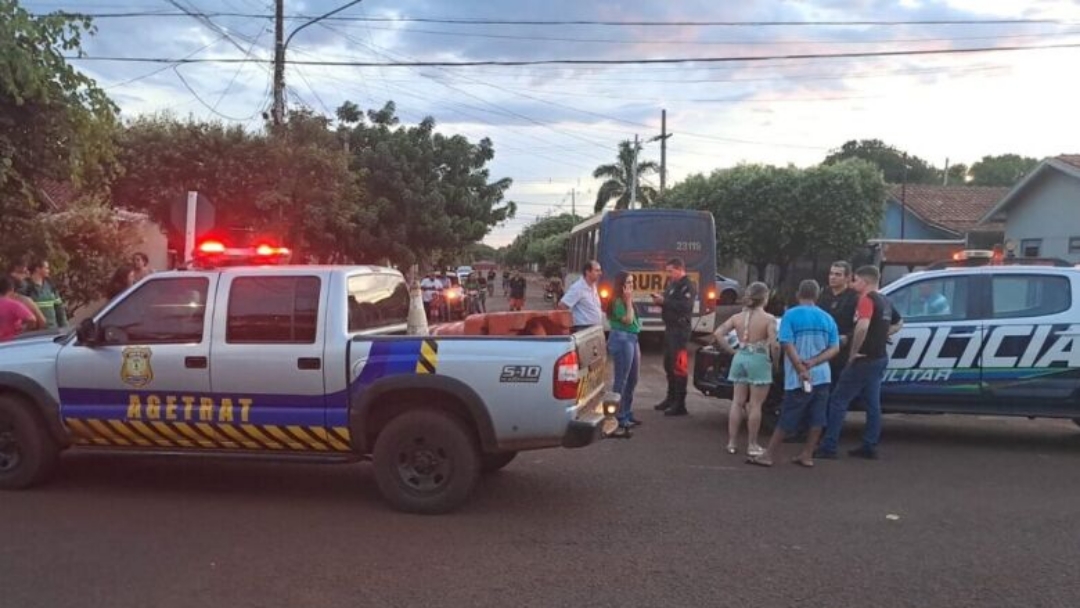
(810, 338)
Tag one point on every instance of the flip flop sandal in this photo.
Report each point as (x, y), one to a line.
(755, 461)
(802, 463)
(731, 449)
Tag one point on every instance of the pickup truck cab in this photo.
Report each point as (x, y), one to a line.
(300, 362)
(987, 340)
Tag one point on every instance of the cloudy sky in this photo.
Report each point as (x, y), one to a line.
(553, 124)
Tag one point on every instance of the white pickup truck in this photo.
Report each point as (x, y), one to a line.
(298, 362)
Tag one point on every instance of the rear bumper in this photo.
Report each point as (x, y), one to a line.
(588, 426)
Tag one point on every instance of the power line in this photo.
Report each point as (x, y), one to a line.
(606, 23)
(593, 61)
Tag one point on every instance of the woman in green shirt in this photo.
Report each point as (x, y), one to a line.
(623, 349)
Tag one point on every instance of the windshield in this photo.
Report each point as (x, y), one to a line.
(648, 241)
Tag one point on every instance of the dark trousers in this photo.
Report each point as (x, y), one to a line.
(676, 362)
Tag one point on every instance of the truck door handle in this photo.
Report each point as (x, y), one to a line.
(196, 362)
(309, 363)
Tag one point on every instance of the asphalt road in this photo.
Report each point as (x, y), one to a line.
(959, 512)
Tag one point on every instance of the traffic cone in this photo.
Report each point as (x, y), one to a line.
(417, 324)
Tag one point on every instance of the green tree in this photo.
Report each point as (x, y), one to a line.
(542, 242)
(618, 177)
(889, 160)
(958, 174)
(1003, 170)
(775, 215)
(296, 187)
(429, 193)
(56, 124)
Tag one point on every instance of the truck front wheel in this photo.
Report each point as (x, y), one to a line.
(426, 461)
(28, 454)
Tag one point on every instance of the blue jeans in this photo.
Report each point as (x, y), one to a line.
(860, 378)
(624, 351)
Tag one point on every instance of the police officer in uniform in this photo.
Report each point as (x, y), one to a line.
(677, 305)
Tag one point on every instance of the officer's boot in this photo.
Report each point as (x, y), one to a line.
(678, 405)
(669, 400)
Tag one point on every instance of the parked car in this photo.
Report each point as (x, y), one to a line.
(727, 290)
(1001, 340)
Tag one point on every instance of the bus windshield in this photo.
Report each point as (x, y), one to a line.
(649, 242)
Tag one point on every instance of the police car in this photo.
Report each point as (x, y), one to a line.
(987, 339)
(304, 362)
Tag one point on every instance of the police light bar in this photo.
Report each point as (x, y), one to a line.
(972, 254)
(215, 253)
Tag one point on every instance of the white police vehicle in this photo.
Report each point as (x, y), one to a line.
(298, 362)
(986, 339)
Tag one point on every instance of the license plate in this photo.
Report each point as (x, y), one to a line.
(653, 310)
(594, 378)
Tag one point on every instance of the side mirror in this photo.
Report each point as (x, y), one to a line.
(87, 332)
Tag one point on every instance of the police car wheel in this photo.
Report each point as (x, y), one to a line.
(28, 453)
(426, 461)
(1077, 421)
(494, 462)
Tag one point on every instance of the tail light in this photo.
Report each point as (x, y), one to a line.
(605, 292)
(566, 376)
(711, 295)
(211, 247)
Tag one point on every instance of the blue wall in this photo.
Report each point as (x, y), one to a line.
(914, 228)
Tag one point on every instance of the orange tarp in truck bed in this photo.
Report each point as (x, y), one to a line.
(523, 323)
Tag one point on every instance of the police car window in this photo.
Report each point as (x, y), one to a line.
(1017, 296)
(161, 311)
(376, 301)
(941, 299)
(273, 310)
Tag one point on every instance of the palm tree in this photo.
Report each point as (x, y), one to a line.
(618, 176)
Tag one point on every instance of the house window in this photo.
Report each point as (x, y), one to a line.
(1074, 244)
(1030, 248)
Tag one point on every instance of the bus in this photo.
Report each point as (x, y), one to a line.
(641, 241)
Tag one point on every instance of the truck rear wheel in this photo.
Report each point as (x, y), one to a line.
(28, 454)
(494, 462)
(1077, 421)
(426, 461)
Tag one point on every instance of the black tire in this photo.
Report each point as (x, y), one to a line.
(489, 463)
(426, 461)
(1077, 421)
(728, 297)
(28, 454)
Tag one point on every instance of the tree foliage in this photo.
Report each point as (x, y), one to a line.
(1003, 170)
(889, 160)
(543, 242)
(619, 176)
(429, 193)
(776, 215)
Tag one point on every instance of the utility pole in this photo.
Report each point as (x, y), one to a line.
(278, 111)
(946, 171)
(633, 175)
(573, 202)
(903, 201)
(663, 151)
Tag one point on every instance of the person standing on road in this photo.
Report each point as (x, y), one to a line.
(517, 291)
(14, 316)
(429, 286)
(506, 283)
(810, 339)
(751, 366)
(142, 266)
(18, 273)
(41, 290)
(475, 305)
(676, 307)
(582, 299)
(875, 321)
(624, 349)
(491, 282)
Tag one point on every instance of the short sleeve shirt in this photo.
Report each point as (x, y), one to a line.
(12, 316)
(811, 330)
(584, 303)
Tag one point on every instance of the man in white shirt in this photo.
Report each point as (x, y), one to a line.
(582, 299)
(428, 287)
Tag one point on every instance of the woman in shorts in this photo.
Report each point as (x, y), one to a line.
(754, 351)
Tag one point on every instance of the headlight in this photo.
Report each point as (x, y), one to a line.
(610, 409)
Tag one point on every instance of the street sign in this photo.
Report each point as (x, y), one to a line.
(204, 214)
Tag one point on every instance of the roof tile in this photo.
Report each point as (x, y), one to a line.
(955, 208)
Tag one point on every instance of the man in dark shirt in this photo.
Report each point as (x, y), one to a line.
(875, 320)
(677, 305)
(517, 291)
(839, 301)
